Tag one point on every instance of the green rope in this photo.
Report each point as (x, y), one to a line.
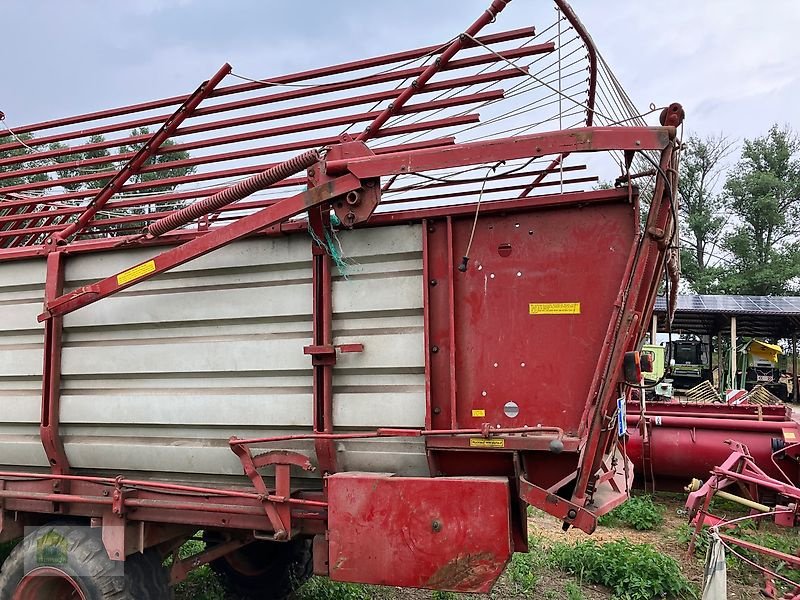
(332, 249)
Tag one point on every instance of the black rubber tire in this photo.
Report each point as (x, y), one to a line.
(87, 564)
(282, 567)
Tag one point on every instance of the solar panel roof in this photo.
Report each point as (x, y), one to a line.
(757, 316)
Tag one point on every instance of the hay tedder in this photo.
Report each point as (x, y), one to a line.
(330, 314)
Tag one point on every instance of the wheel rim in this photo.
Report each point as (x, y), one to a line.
(48, 583)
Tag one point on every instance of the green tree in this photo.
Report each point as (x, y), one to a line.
(702, 209)
(7, 172)
(162, 160)
(763, 192)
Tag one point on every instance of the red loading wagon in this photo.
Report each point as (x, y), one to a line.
(381, 346)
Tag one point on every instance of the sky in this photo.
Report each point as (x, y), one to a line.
(733, 64)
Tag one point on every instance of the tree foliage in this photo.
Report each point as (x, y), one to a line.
(763, 191)
(702, 208)
(80, 168)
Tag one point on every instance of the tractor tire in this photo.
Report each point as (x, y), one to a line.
(265, 570)
(72, 563)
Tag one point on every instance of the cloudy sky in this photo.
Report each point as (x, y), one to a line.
(732, 63)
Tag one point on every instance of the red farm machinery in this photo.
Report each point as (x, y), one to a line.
(330, 314)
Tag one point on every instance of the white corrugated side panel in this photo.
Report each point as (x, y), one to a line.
(21, 340)
(156, 378)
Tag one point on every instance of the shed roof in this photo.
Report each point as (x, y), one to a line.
(756, 316)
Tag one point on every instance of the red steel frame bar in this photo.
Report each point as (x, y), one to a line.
(590, 139)
(486, 432)
(143, 154)
(347, 67)
(635, 305)
(487, 17)
(51, 371)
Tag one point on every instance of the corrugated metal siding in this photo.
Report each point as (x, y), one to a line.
(157, 378)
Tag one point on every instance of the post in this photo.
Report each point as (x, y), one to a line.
(733, 353)
(654, 329)
(794, 368)
(720, 378)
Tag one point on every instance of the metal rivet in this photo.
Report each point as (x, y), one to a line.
(436, 526)
(483, 393)
(519, 273)
(522, 364)
(495, 365)
(437, 410)
(434, 282)
(492, 275)
(435, 349)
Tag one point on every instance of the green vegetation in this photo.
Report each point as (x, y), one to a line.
(573, 591)
(202, 582)
(639, 512)
(631, 571)
(322, 588)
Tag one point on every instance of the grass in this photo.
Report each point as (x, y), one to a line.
(322, 588)
(630, 571)
(638, 512)
(524, 570)
(573, 591)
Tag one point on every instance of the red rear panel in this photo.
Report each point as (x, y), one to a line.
(446, 533)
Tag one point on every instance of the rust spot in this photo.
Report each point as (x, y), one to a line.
(320, 192)
(465, 573)
(583, 137)
(552, 499)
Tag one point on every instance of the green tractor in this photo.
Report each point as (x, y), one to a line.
(692, 363)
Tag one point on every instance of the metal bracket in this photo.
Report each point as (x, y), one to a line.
(326, 354)
(571, 514)
(276, 505)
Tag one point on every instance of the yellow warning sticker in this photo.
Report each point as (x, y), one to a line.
(789, 435)
(487, 443)
(555, 308)
(136, 272)
(478, 412)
